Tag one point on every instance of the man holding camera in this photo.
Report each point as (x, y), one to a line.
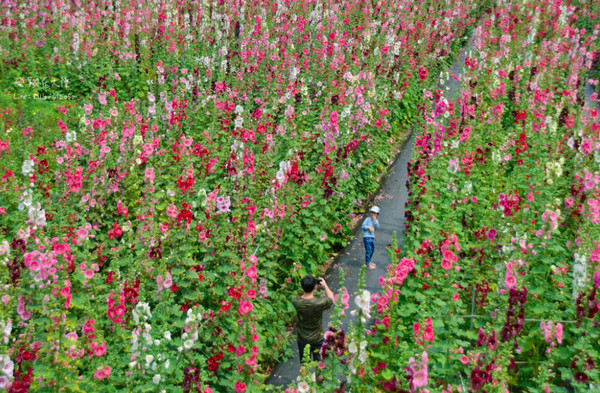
(310, 315)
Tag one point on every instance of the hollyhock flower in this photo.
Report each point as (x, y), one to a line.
(99, 350)
(102, 98)
(202, 236)
(251, 272)
(82, 233)
(172, 210)
(149, 175)
(245, 307)
(492, 234)
(464, 359)
(428, 332)
(345, 298)
(446, 264)
(580, 377)
(420, 378)
(510, 281)
(240, 387)
(102, 372)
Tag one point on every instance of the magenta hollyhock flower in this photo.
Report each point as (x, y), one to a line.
(449, 255)
(492, 234)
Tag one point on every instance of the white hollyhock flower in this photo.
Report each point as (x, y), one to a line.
(364, 300)
(303, 387)
(156, 379)
(187, 344)
(352, 348)
(27, 167)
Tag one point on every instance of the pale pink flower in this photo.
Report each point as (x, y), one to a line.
(149, 175)
(172, 211)
(82, 233)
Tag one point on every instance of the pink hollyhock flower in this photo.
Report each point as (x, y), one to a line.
(240, 387)
(88, 108)
(149, 175)
(102, 372)
(464, 359)
(345, 298)
(559, 333)
(245, 307)
(99, 350)
(446, 264)
(89, 274)
(428, 333)
(172, 210)
(60, 248)
(251, 272)
(82, 233)
(202, 236)
(449, 255)
(510, 281)
(102, 98)
(420, 378)
(168, 281)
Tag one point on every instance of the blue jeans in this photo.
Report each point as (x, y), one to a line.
(369, 248)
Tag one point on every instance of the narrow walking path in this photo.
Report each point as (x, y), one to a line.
(391, 198)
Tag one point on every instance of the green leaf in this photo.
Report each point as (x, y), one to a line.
(387, 374)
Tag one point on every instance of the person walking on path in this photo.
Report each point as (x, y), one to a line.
(310, 315)
(369, 226)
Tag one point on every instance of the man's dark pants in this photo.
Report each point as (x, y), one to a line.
(315, 350)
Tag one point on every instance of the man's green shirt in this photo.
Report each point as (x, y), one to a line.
(310, 318)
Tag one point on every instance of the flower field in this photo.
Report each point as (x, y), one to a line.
(171, 169)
